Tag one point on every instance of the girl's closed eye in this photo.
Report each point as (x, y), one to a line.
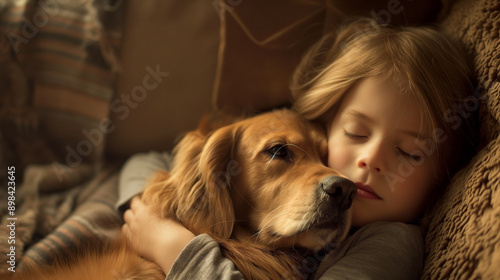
(413, 157)
(359, 136)
(354, 135)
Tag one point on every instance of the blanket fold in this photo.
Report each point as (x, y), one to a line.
(52, 216)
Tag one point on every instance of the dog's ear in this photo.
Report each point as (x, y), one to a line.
(208, 206)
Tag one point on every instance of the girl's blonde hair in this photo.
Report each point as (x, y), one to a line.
(421, 61)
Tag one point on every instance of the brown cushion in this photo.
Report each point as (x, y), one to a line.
(463, 238)
(263, 41)
(175, 37)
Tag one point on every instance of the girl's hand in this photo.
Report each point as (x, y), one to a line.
(157, 239)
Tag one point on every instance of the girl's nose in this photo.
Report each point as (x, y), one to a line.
(373, 159)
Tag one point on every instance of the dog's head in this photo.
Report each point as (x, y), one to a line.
(262, 178)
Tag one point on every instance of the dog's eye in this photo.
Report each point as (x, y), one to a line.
(279, 151)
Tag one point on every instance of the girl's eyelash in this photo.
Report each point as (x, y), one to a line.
(409, 156)
(402, 152)
(354, 136)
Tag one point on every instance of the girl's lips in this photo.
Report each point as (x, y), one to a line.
(366, 191)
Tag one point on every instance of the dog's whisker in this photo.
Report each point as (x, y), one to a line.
(285, 145)
(222, 222)
(263, 228)
(243, 197)
(274, 155)
(303, 224)
(265, 225)
(274, 217)
(290, 220)
(305, 152)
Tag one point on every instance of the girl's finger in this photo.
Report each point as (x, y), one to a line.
(125, 229)
(135, 201)
(128, 216)
(126, 232)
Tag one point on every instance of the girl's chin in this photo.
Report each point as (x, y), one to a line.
(363, 212)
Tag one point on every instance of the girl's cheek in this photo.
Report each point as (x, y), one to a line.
(339, 157)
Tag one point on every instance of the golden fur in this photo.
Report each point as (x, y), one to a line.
(258, 186)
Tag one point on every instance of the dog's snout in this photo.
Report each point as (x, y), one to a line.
(341, 190)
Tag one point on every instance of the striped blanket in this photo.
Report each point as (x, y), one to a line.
(58, 66)
(53, 216)
(68, 51)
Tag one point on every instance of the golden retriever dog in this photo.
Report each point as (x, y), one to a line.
(258, 186)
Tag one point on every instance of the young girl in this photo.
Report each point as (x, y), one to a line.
(390, 100)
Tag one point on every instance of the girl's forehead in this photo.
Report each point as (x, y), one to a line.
(380, 102)
(373, 93)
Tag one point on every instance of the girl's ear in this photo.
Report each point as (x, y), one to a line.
(208, 207)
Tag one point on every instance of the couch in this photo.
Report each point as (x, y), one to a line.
(86, 84)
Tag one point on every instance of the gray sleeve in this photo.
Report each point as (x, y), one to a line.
(379, 251)
(137, 171)
(383, 250)
(202, 259)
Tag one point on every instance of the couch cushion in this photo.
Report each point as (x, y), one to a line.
(463, 241)
(263, 41)
(178, 41)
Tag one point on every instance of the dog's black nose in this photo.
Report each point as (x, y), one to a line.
(341, 190)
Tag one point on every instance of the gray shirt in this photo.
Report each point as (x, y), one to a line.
(380, 250)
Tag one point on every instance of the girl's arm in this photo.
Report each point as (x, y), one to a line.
(164, 241)
(136, 172)
(180, 253)
(379, 250)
